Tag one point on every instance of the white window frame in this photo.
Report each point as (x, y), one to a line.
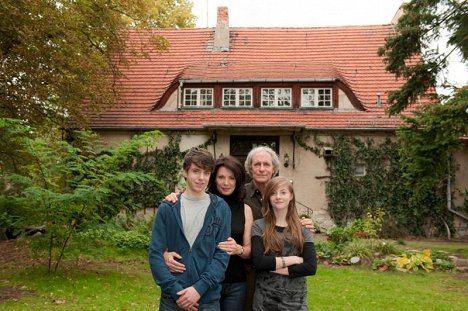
(240, 98)
(273, 97)
(200, 98)
(313, 97)
(360, 170)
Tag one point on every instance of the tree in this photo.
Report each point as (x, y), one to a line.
(409, 54)
(70, 184)
(433, 132)
(55, 53)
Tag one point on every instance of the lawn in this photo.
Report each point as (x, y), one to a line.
(125, 283)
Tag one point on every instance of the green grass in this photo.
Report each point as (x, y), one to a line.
(454, 248)
(348, 288)
(110, 286)
(122, 281)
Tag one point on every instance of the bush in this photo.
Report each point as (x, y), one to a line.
(384, 264)
(131, 239)
(325, 249)
(385, 247)
(359, 248)
(414, 261)
(98, 234)
(340, 235)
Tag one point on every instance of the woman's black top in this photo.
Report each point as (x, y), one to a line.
(235, 271)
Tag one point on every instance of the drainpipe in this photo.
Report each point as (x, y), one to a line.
(214, 137)
(449, 196)
(179, 94)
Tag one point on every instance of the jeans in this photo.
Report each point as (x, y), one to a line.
(233, 296)
(168, 304)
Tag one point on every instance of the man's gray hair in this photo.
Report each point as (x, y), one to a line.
(254, 151)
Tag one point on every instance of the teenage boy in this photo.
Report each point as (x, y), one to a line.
(192, 227)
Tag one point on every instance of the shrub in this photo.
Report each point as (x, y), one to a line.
(359, 248)
(413, 261)
(98, 234)
(384, 264)
(325, 249)
(340, 235)
(441, 261)
(131, 239)
(385, 247)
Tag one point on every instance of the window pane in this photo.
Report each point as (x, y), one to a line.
(268, 97)
(229, 97)
(308, 98)
(284, 98)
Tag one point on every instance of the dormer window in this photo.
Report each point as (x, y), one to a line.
(198, 97)
(276, 97)
(316, 97)
(237, 97)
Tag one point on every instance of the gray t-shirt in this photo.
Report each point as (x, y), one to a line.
(193, 211)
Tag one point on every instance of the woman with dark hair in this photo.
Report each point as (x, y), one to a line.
(283, 251)
(227, 181)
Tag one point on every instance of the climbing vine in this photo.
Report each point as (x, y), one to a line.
(166, 164)
(366, 177)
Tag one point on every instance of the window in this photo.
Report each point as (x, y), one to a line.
(237, 97)
(360, 170)
(198, 97)
(315, 97)
(279, 97)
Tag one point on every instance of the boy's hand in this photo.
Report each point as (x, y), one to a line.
(188, 299)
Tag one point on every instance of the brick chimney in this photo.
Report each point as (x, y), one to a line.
(221, 38)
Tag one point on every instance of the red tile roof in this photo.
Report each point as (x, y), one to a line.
(348, 54)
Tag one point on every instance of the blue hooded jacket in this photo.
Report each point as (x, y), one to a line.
(205, 263)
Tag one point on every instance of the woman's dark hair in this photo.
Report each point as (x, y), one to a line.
(232, 164)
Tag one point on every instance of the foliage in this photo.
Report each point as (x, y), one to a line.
(326, 249)
(384, 264)
(165, 163)
(339, 234)
(414, 261)
(123, 231)
(352, 197)
(54, 54)
(441, 260)
(422, 23)
(385, 247)
(431, 136)
(358, 248)
(69, 184)
(132, 239)
(382, 198)
(370, 226)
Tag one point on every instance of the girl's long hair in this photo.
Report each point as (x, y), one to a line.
(271, 240)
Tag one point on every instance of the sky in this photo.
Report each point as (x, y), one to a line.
(312, 13)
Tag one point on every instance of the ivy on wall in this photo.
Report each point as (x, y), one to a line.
(352, 193)
(166, 164)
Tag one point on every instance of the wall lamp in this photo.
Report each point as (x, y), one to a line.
(286, 160)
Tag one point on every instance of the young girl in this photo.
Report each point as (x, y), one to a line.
(283, 251)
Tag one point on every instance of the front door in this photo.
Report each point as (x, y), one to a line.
(240, 146)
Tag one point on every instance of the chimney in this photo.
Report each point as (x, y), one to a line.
(221, 38)
(399, 13)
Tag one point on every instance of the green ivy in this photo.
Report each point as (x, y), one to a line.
(383, 187)
(166, 164)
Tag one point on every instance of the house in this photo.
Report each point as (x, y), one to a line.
(250, 86)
